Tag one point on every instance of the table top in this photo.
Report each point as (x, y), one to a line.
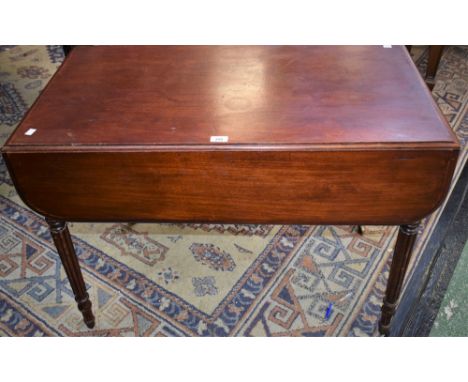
(253, 95)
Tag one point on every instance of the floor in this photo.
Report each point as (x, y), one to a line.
(452, 319)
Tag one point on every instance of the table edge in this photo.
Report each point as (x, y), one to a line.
(443, 145)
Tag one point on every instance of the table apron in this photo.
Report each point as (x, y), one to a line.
(272, 187)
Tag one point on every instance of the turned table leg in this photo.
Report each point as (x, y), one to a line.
(67, 49)
(66, 251)
(435, 53)
(401, 256)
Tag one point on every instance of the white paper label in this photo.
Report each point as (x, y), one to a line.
(387, 46)
(219, 138)
(30, 132)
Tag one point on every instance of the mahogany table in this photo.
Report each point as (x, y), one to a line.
(238, 134)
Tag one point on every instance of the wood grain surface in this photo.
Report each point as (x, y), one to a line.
(255, 95)
(317, 135)
(326, 187)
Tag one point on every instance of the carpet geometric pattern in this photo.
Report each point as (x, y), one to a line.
(194, 279)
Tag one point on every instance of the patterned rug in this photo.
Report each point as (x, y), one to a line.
(195, 279)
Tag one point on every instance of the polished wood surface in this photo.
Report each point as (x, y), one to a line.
(316, 135)
(435, 54)
(388, 186)
(257, 95)
(126, 132)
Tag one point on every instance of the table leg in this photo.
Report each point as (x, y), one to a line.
(360, 230)
(401, 256)
(435, 53)
(67, 49)
(66, 251)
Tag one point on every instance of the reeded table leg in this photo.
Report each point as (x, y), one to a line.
(66, 251)
(402, 254)
(435, 54)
